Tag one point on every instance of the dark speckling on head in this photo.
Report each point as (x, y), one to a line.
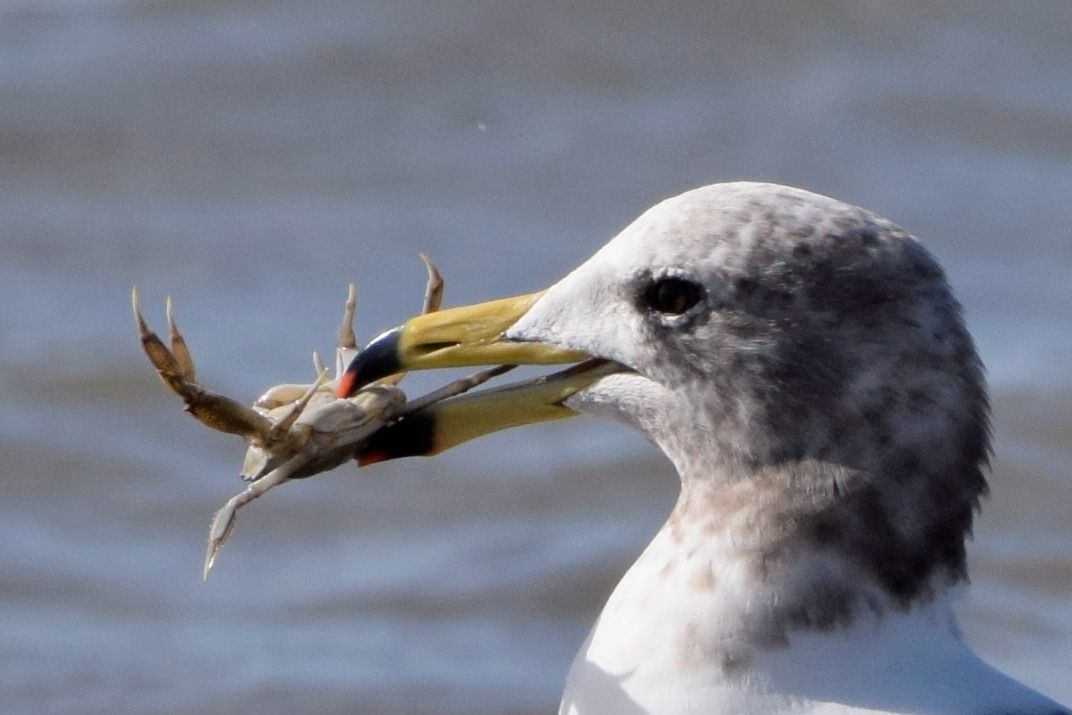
(845, 375)
(829, 380)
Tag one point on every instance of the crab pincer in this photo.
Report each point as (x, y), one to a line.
(175, 366)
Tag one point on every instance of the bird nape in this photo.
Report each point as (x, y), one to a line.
(804, 365)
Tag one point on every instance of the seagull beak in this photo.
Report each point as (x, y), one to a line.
(457, 337)
(468, 336)
(460, 419)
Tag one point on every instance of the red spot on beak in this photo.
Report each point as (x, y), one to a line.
(346, 384)
(372, 457)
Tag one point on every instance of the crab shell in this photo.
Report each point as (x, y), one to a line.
(333, 427)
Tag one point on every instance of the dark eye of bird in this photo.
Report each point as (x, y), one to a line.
(672, 296)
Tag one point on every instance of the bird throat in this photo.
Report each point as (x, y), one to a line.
(805, 546)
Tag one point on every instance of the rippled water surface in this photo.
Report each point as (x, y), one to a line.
(251, 158)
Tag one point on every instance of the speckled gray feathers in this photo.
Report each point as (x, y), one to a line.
(842, 369)
(832, 392)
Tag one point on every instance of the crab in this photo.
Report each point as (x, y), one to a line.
(294, 431)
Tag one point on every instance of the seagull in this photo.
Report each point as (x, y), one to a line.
(804, 365)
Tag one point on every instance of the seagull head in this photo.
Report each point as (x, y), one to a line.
(760, 335)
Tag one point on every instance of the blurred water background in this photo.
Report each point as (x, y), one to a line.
(251, 158)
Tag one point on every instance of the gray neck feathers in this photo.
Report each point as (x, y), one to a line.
(849, 422)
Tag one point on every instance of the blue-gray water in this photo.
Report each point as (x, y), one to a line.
(251, 158)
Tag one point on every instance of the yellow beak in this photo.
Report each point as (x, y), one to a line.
(456, 337)
(468, 336)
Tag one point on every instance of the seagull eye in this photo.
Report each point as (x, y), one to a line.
(672, 296)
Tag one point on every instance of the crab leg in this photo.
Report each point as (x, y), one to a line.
(318, 364)
(282, 427)
(347, 340)
(433, 298)
(224, 520)
(176, 369)
(433, 288)
(453, 389)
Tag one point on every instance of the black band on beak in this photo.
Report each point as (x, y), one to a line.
(377, 360)
(413, 436)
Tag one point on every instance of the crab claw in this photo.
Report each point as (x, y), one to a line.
(166, 364)
(179, 350)
(176, 369)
